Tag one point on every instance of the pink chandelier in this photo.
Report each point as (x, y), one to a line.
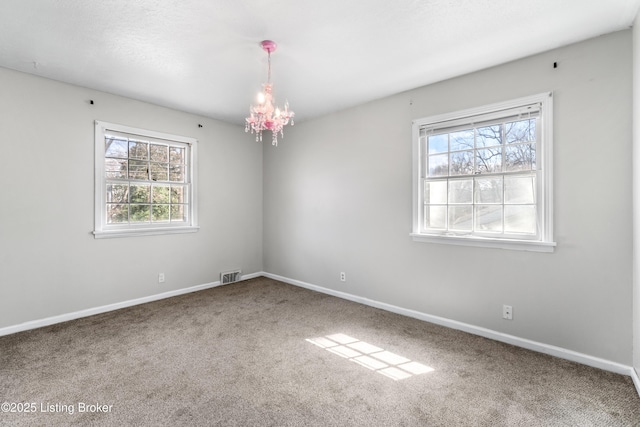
(264, 116)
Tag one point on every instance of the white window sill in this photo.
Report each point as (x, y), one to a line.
(518, 245)
(102, 234)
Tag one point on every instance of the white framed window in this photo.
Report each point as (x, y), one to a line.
(144, 182)
(483, 176)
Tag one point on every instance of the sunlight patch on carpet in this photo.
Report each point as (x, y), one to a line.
(370, 356)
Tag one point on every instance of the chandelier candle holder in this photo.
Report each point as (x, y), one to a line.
(264, 116)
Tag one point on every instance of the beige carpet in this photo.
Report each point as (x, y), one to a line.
(264, 353)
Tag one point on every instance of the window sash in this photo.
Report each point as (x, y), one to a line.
(503, 146)
(505, 203)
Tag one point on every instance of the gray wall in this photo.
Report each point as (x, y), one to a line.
(50, 263)
(338, 198)
(636, 195)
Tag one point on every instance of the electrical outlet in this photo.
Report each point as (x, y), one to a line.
(343, 276)
(160, 277)
(507, 312)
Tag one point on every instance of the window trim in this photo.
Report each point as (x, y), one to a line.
(544, 162)
(101, 229)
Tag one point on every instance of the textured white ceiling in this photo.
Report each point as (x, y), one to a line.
(204, 56)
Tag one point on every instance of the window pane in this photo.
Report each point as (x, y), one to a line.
(489, 136)
(462, 163)
(115, 168)
(435, 192)
(160, 171)
(160, 194)
(139, 213)
(176, 155)
(520, 189)
(176, 173)
(462, 140)
(488, 190)
(438, 143)
(435, 216)
(461, 191)
(138, 170)
(140, 193)
(460, 218)
(489, 160)
(116, 147)
(160, 213)
(520, 131)
(520, 219)
(138, 150)
(117, 193)
(178, 194)
(159, 153)
(179, 213)
(489, 218)
(439, 165)
(520, 157)
(117, 213)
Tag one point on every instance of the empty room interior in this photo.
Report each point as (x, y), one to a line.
(445, 232)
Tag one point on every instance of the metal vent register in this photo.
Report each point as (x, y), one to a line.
(230, 277)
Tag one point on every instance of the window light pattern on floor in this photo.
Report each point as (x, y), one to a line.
(370, 356)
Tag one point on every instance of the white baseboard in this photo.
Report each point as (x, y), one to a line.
(110, 307)
(560, 352)
(636, 379)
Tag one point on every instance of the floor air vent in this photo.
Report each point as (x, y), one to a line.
(230, 277)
